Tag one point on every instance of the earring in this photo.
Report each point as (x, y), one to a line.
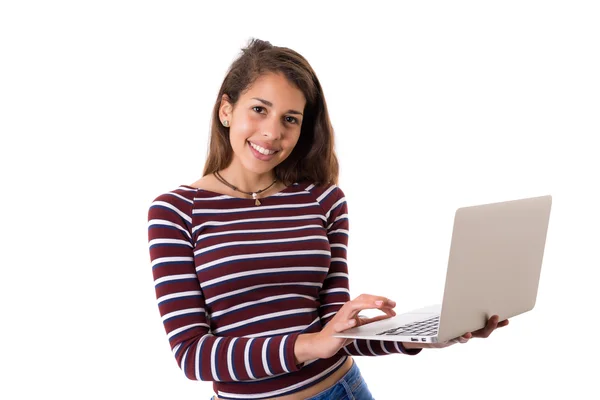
(226, 123)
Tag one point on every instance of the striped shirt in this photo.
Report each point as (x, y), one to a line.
(237, 283)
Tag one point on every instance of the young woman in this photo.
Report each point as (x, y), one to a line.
(249, 261)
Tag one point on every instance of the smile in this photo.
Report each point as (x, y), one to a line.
(262, 150)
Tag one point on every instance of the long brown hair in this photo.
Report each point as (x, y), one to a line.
(314, 157)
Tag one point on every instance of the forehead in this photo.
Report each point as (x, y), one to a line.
(276, 89)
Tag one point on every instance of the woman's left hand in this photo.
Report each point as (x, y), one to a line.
(492, 324)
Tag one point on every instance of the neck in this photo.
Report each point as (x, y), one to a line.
(246, 180)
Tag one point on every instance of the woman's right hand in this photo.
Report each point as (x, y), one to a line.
(325, 345)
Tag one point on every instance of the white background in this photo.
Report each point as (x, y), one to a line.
(435, 104)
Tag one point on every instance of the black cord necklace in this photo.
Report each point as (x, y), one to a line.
(253, 194)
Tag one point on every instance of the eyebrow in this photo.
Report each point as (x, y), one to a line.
(268, 103)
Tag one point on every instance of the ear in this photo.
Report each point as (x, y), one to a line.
(226, 108)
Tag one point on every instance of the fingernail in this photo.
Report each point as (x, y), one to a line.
(392, 303)
(351, 322)
(378, 302)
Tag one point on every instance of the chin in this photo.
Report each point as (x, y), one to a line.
(260, 169)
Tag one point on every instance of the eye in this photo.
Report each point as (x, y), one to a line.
(258, 109)
(291, 120)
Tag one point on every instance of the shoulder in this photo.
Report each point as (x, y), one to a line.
(329, 196)
(178, 201)
(184, 193)
(324, 191)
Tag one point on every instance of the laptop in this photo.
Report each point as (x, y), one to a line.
(494, 267)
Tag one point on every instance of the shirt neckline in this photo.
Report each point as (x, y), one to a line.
(284, 190)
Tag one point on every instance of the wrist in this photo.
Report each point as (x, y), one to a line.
(304, 348)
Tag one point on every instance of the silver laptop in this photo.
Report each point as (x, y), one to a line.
(494, 268)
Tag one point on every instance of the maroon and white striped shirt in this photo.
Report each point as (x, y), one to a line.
(237, 283)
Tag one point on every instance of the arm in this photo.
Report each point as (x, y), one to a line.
(200, 354)
(335, 291)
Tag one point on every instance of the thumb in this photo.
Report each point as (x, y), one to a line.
(342, 326)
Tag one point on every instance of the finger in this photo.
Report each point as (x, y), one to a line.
(352, 308)
(373, 298)
(463, 340)
(350, 311)
(487, 330)
(368, 298)
(364, 321)
(388, 311)
(502, 323)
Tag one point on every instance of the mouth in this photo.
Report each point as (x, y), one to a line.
(262, 150)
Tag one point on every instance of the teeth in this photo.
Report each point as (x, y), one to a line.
(262, 150)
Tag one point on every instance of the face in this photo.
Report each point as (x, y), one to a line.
(264, 125)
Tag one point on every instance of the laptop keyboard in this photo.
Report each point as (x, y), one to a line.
(428, 327)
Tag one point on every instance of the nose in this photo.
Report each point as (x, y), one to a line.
(272, 129)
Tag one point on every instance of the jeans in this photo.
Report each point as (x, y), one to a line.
(352, 386)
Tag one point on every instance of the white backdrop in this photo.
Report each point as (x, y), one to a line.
(436, 105)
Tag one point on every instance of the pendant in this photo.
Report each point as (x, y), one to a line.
(256, 201)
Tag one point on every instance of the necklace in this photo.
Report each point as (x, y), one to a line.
(253, 194)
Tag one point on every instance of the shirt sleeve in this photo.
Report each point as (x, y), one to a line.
(336, 291)
(200, 354)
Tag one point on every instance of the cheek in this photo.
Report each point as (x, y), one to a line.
(247, 121)
(293, 139)
(241, 132)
